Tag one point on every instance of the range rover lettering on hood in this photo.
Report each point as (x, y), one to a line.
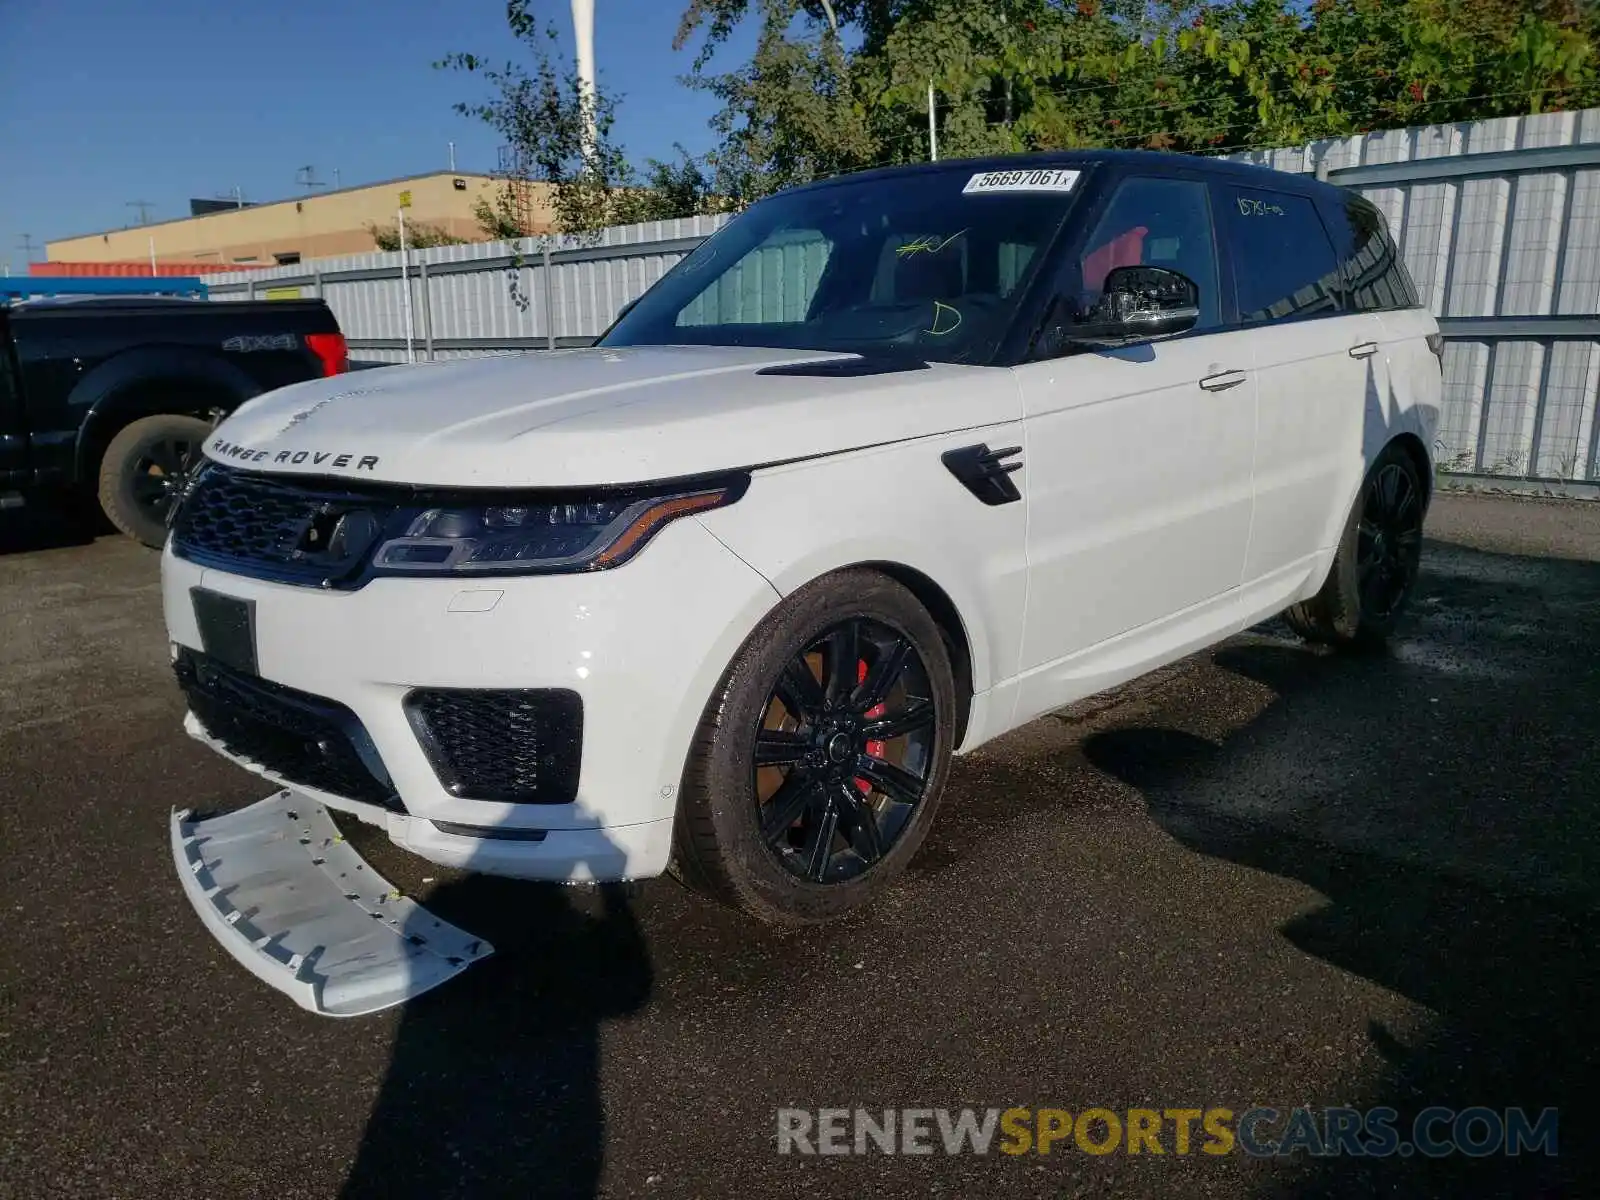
(333, 458)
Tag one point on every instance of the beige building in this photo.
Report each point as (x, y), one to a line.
(319, 225)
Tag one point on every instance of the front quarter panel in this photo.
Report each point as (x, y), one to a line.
(898, 505)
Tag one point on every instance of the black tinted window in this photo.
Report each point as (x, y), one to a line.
(1374, 275)
(1154, 223)
(929, 265)
(1284, 264)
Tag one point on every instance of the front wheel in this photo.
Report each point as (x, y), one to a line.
(1375, 568)
(818, 766)
(143, 470)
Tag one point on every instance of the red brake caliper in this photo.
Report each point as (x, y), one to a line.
(875, 749)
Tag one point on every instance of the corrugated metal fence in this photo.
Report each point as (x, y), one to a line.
(484, 298)
(1498, 221)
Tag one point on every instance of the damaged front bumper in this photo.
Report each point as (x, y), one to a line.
(283, 892)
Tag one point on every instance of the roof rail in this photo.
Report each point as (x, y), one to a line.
(21, 287)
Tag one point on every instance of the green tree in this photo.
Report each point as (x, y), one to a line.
(841, 85)
(1017, 75)
(540, 112)
(500, 218)
(680, 188)
(419, 236)
(789, 115)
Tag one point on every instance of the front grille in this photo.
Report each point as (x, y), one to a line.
(513, 746)
(301, 738)
(271, 528)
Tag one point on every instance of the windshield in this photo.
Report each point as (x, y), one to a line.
(932, 264)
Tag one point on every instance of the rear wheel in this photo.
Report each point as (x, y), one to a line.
(143, 471)
(1375, 569)
(819, 764)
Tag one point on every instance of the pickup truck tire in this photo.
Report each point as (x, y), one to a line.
(143, 470)
(818, 766)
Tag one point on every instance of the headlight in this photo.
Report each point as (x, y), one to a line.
(512, 537)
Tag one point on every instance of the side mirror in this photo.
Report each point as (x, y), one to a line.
(1138, 303)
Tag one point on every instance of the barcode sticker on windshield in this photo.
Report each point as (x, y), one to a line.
(1052, 179)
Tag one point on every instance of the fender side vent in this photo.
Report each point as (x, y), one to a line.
(984, 472)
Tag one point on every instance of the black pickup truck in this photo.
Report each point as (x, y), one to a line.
(110, 397)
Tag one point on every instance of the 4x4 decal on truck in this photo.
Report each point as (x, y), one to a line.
(244, 343)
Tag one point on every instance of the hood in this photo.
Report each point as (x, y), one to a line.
(602, 416)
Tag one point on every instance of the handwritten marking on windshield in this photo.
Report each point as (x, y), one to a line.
(939, 309)
(927, 245)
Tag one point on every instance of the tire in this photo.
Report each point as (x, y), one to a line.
(1374, 570)
(813, 740)
(142, 471)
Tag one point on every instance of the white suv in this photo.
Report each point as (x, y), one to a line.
(889, 466)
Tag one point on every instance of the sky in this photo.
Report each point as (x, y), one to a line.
(103, 102)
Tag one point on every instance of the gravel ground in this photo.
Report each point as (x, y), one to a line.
(1265, 877)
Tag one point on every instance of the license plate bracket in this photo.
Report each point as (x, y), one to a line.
(227, 627)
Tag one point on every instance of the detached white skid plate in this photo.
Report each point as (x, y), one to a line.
(287, 896)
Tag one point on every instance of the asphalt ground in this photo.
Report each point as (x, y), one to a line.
(1268, 876)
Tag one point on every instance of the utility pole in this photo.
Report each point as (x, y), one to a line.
(25, 243)
(452, 158)
(144, 207)
(583, 36)
(306, 177)
(933, 127)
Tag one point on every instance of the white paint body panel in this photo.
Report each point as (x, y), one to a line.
(899, 505)
(643, 646)
(582, 417)
(1127, 530)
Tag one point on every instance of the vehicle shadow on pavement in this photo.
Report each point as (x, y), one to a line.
(493, 1085)
(1441, 797)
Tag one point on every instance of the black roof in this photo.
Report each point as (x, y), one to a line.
(1152, 160)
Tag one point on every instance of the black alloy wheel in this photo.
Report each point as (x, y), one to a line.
(821, 758)
(1389, 541)
(161, 473)
(1377, 561)
(843, 751)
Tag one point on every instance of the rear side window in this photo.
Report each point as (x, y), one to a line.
(1374, 275)
(1284, 265)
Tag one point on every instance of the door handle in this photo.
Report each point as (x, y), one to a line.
(1364, 350)
(1222, 381)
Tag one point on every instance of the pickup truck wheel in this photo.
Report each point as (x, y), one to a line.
(1375, 568)
(819, 764)
(143, 471)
